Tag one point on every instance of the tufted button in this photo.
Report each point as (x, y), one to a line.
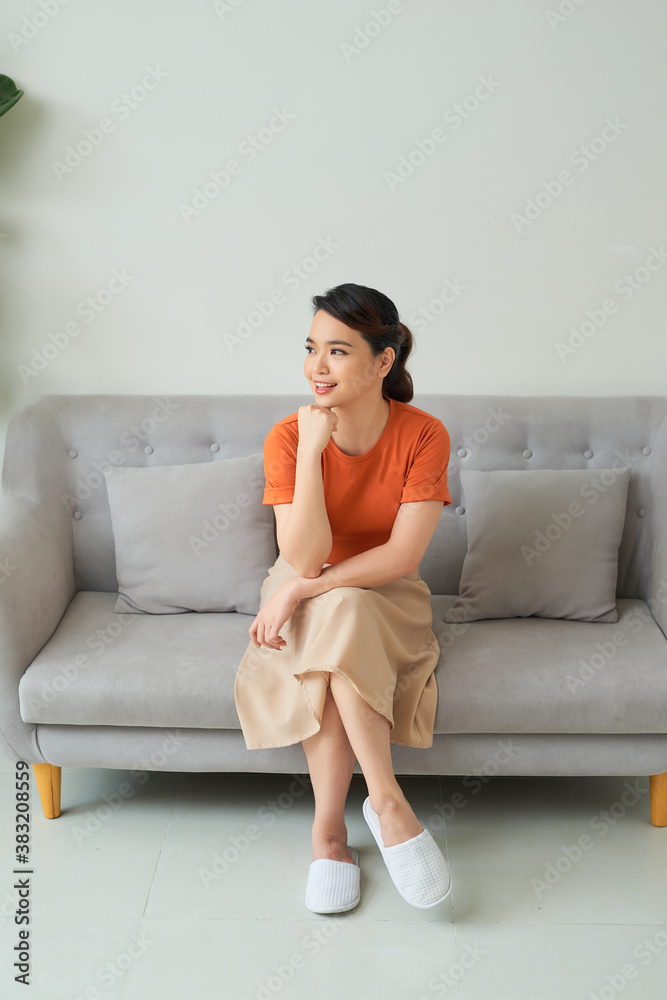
(149, 449)
(641, 511)
(588, 453)
(215, 447)
(72, 453)
(527, 453)
(78, 515)
(462, 452)
(646, 450)
(460, 510)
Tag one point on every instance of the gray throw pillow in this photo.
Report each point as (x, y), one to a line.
(542, 542)
(191, 537)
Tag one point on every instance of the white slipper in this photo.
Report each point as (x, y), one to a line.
(333, 886)
(417, 866)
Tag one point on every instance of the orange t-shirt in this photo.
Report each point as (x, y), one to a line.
(362, 493)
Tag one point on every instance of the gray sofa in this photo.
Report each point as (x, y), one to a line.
(140, 680)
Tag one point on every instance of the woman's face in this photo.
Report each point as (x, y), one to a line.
(349, 364)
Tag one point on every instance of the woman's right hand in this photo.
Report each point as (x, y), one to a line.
(316, 425)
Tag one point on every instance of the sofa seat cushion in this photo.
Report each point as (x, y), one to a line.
(541, 675)
(514, 675)
(132, 669)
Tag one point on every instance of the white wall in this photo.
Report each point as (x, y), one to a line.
(219, 72)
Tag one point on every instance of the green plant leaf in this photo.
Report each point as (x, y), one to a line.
(9, 93)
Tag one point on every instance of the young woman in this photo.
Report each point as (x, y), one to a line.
(342, 654)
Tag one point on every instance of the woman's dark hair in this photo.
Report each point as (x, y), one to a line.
(375, 317)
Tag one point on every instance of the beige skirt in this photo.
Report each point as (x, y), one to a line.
(379, 639)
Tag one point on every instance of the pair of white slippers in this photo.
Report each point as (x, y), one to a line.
(417, 869)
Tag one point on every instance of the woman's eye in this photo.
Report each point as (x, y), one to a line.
(335, 349)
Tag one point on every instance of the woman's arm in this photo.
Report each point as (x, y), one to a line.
(413, 529)
(304, 536)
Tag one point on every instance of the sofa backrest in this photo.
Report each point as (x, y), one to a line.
(57, 445)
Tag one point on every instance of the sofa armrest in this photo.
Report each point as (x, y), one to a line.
(36, 586)
(656, 589)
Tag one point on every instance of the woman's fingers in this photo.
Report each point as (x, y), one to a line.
(255, 632)
(264, 634)
(272, 639)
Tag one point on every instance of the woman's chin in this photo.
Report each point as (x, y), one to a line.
(325, 398)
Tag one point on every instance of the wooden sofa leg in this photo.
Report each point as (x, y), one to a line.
(658, 791)
(47, 777)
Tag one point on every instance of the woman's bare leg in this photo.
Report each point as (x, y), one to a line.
(368, 734)
(331, 763)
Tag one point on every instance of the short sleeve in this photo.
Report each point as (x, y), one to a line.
(280, 447)
(427, 476)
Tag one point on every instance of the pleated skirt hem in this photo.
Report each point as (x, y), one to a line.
(328, 668)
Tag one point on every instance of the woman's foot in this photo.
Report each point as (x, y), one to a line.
(332, 847)
(398, 822)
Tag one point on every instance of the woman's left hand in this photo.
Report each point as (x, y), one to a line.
(272, 616)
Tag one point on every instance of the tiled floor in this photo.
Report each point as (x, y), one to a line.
(205, 873)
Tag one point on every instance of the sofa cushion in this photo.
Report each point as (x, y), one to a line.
(535, 675)
(517, 675)
(541, 542)
(191, 537)
(105, 669)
